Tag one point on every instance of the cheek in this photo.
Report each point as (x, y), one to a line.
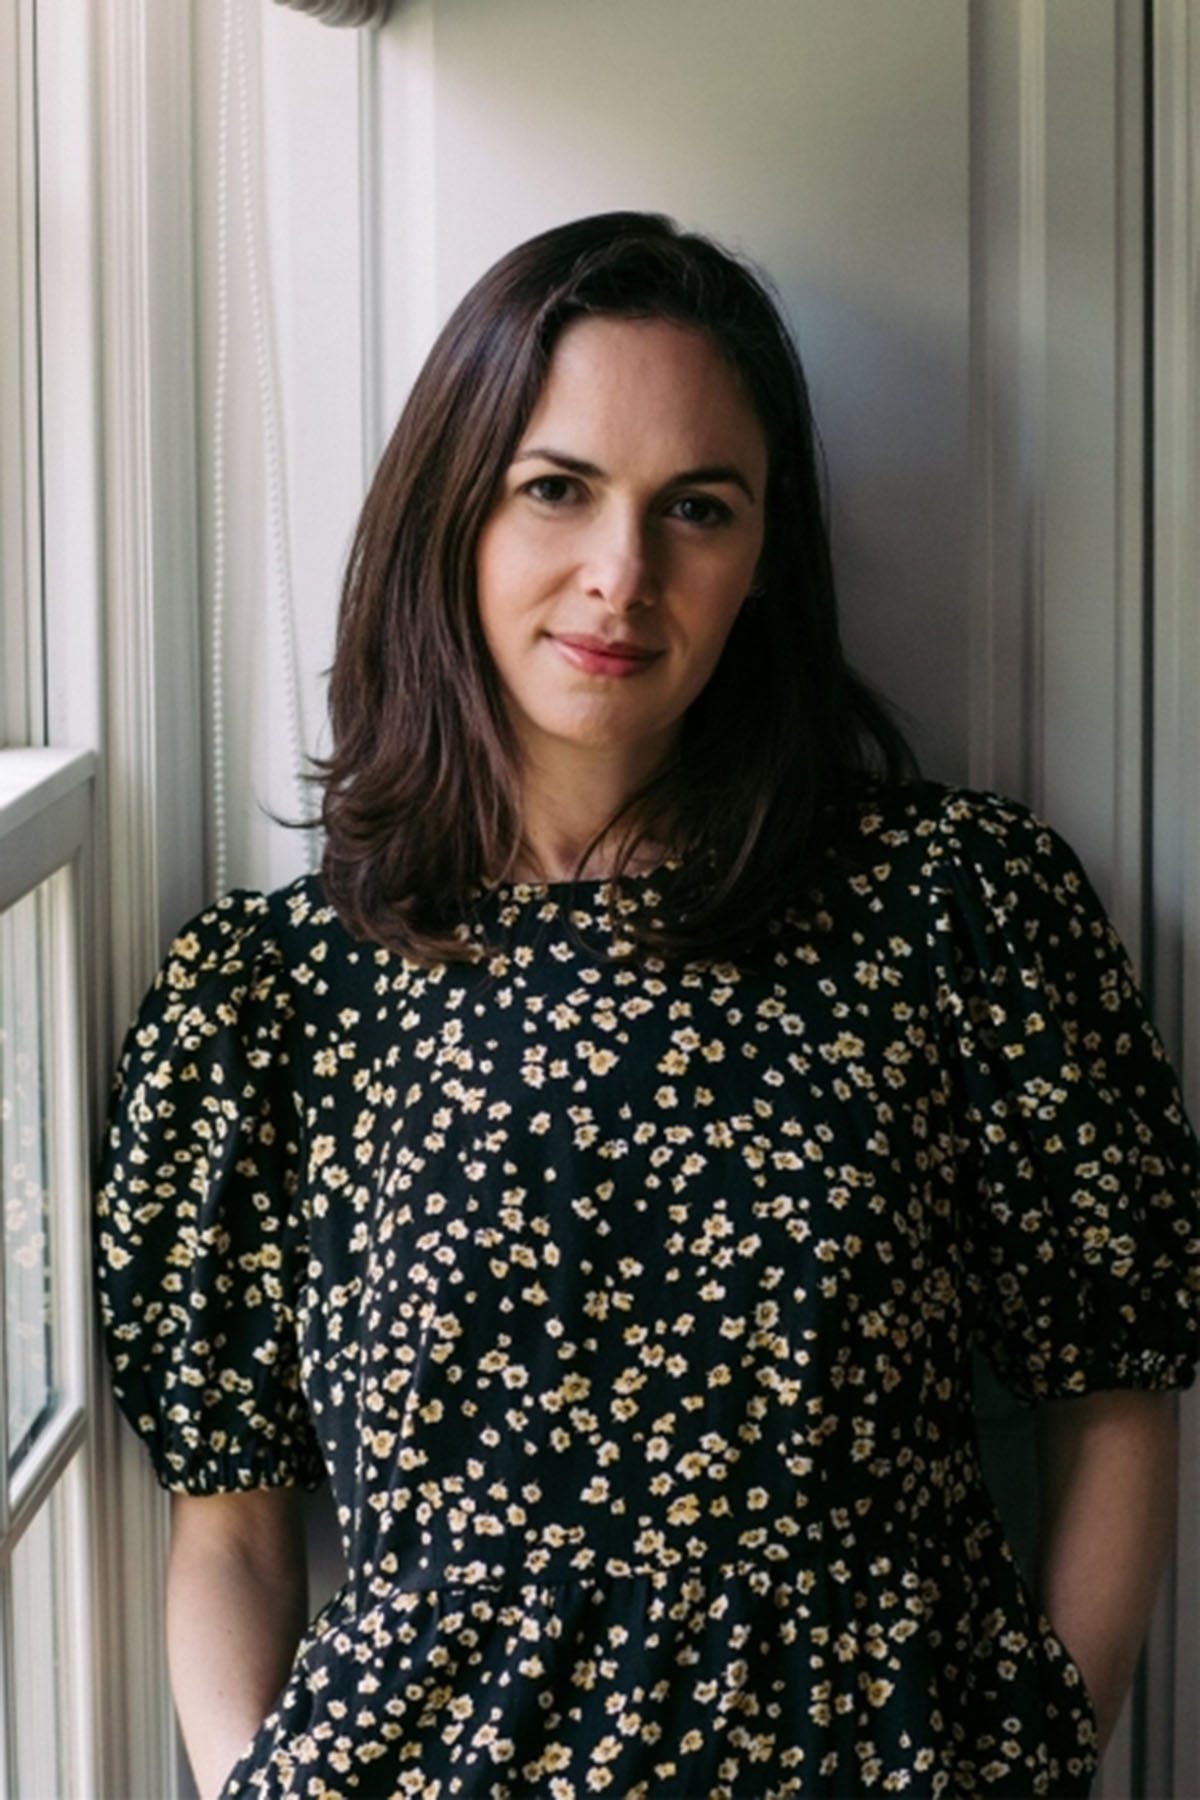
(717, 576)
(494, 587)
(717, 601)
(509, 573)
(506, 591)
(488, 564)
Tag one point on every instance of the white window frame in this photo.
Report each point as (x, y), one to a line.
(45, 825)
(20, 507)
(45, 821)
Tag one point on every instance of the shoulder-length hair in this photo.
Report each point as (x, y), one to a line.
(421, 792)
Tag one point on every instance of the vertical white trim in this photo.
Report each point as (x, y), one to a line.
(1031, 386)
(153, 827)
(985, 221)
(73, 1161)
(45, 825)
(28, 269)
(8, 1643)
(1176, 538)
(22, 680)
(82, 1728)
(129, 635)
(370, 252)
(1007, 392)
(1131, 773)
(68, 107)
(1142, 1741)
(408, 197)
(1057, 437)
(1056, 662)
(69, 287)
(152, 613)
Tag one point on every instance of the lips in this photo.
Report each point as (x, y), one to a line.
(609, 663)
(621, 652)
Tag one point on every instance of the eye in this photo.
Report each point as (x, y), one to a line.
(542, 481)
(714, 512)
(718, 513)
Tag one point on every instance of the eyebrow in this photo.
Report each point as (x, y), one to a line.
(711, 472)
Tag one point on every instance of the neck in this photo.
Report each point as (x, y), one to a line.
(550, 863)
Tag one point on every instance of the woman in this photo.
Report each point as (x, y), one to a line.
(605, 1168)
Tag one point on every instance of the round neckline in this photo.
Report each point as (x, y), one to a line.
(584, 883)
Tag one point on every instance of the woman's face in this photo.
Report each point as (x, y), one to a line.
(633, 510)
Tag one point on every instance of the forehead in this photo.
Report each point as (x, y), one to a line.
(645, 376)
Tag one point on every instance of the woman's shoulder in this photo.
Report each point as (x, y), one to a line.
(196, 1178)
(244, 955)
(935, 843)
(943, 823)
(280, 924)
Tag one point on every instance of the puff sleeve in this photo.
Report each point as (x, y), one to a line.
(197, 1233)
(1078, 1191)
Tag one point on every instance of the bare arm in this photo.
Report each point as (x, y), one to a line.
(237, 1605)
(1109, 1476)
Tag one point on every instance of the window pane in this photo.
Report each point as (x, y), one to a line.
(26, 1005)
(42, 1676)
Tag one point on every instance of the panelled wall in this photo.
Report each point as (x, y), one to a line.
(954, 203)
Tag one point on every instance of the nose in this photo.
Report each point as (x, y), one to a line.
(620, 564)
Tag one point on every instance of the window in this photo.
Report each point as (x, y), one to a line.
(47, 1703)
(46, 1574)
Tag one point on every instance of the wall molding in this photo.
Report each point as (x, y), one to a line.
(152, 815)
(22, 718)
(1174, 560)
(370, 241)
(1007, 89)
(1057, 377)
(148, 371)
(1059, 700)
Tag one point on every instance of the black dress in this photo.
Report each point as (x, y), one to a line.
(630, 1313)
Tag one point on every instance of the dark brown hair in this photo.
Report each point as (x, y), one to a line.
(421, 792)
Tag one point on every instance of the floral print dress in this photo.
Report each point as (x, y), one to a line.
(630, 1312)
